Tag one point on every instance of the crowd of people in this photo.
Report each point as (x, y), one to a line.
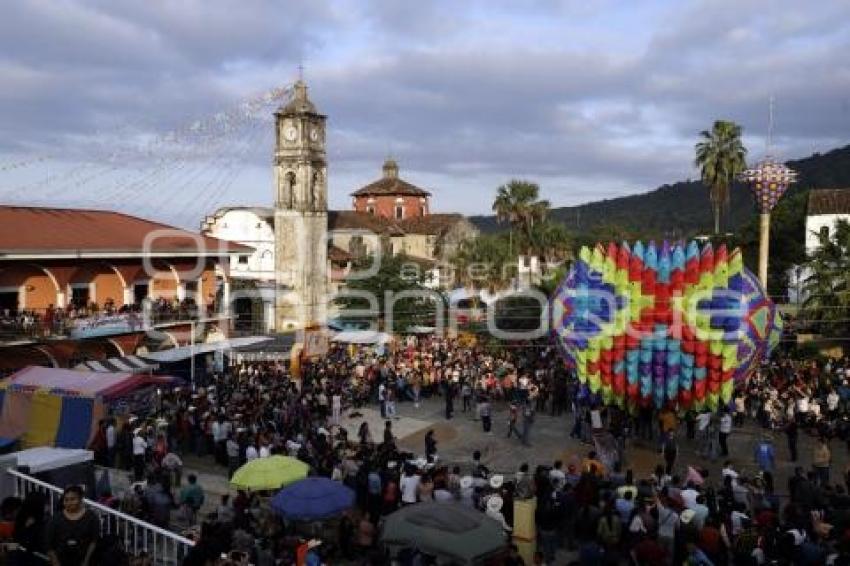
(59, 321)
(593, 508)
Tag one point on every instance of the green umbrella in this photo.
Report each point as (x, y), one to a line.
(269, 473)
(447, 530)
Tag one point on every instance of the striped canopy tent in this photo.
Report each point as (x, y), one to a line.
(59, 407)
(132, 364)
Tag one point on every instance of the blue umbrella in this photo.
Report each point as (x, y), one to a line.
(312, 499)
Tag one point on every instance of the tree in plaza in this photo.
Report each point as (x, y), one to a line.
(518, 203)
(551, 241)
(721, 157)
(827, 287)
(484, 262)
(394, 275)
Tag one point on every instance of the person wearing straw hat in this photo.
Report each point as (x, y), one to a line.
(467, 491)
(494, 511)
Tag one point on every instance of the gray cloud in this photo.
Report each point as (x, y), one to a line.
(466, 96)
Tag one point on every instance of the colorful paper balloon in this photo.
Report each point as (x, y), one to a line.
(669, 325)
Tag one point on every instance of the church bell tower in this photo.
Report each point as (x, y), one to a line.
(301, 213)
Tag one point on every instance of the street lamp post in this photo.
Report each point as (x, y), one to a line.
(768, 181)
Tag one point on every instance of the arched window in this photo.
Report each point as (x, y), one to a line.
(316, 189)
(289, 182)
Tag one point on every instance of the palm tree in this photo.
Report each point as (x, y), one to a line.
(720, 156)
(827, 287)
(519, 204)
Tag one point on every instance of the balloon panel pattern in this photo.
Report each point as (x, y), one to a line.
(670, 325)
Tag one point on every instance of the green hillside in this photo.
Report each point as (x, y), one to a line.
(682, 209)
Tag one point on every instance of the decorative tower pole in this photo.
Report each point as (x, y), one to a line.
(768, 181)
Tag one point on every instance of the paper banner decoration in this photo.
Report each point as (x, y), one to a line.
(672, 325)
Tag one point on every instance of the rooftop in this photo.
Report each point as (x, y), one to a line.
(435, 224)
(29, 230)
(353, 220)
(390, 184)
(829, 201)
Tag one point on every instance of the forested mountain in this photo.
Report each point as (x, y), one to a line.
(683, 209)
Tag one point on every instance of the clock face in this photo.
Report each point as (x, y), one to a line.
(290, 133)
(314, 134)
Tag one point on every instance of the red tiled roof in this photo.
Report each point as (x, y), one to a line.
(434, 224)
(353, 220)
(391, 187)
(35, 230)
(829, 201)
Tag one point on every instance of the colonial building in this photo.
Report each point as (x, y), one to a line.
(391, 196)
(826, 207)
(56, 257)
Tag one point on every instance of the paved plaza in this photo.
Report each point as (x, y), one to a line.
(458, 437)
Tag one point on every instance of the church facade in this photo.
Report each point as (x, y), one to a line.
(311, 248)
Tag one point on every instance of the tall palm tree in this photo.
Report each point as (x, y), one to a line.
(827, 286)
(518, 203)
(720, 156)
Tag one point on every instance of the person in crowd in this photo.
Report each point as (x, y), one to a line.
(72, 534)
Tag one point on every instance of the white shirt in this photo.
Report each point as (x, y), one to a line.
(110, 436)
(139, 446)
(668, 522)
(689, 498)
(595, 419)
(408, 485)
(443, 496)
(702, 420)
(251, 453)
(216, 431)
(832, 400)
(737, 526)
(726, 423)
(265, 452)
(497, 515)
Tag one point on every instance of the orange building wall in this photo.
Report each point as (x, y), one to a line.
(42, 293)
(164, 286)
(207, 287)
(385, 205)
(108, 286)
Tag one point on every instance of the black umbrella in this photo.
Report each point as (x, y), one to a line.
(447, 530)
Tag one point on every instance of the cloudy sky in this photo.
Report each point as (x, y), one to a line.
(591, 98)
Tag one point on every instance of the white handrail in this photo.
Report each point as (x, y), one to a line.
(179, 545)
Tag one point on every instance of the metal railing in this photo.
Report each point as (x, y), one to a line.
(162, 546)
